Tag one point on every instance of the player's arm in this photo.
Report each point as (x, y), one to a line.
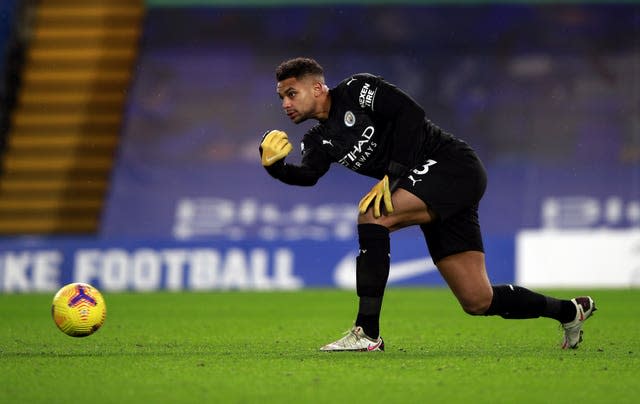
(275, 147)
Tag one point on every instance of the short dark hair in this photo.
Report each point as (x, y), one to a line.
(298, 67)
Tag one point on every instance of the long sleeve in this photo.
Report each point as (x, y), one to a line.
(293, 174)
(313, 166)
(409, 119)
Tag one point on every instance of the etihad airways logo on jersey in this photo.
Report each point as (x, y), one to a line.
(367, 95)
(360, 151)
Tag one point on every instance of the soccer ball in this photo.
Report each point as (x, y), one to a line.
(78, 309)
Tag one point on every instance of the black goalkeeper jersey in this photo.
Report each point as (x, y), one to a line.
(373, 128)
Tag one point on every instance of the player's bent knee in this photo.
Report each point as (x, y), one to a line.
(476, 307)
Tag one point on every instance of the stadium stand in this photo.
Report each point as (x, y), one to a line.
(10, 60)
(65, 126)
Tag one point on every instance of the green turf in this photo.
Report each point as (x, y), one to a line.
(262, 347)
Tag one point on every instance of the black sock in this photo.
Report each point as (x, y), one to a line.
(372, 272)
(370, 324)
(562, 310)
(515, 302)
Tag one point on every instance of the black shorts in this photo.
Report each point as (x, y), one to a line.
(451, 182)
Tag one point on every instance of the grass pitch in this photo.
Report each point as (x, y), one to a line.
(237, 347)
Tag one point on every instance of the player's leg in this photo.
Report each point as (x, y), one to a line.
(372, 269)
(372, 264)
(466, 275)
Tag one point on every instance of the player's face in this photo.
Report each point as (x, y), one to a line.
(298, 97)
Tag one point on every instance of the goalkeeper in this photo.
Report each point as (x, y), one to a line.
(427, 178)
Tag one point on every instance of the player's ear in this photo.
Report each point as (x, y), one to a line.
(317, 88)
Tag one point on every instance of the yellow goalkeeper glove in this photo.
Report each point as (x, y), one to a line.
(275, 146)
(379, 192)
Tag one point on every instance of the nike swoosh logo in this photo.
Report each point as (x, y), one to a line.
(374, 347)
(351, 81)
(344, 274)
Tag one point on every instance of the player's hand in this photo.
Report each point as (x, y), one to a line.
(274, 147)
(379, 193)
